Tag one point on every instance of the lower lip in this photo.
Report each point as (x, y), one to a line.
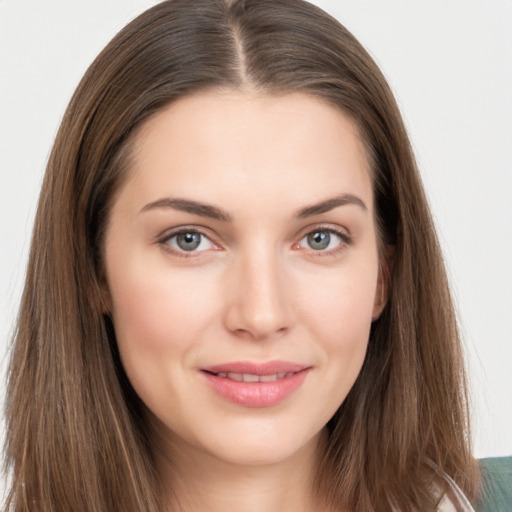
(256, 394)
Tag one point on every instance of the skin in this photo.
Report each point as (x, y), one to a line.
(255, 289)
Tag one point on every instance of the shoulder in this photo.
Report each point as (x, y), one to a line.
(454, 499)
(496, 493)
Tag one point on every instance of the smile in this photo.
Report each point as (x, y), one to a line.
(256, 385)
(251, 377)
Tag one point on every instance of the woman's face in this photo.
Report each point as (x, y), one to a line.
(242, 271)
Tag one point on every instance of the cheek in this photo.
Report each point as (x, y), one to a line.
(342, 302)
(160, 318)
(157, 311)
(338, 313)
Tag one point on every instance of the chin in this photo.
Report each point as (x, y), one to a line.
(264, 448)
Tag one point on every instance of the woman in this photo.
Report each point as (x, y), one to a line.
(235, 296)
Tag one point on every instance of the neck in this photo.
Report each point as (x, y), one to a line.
(195, 481)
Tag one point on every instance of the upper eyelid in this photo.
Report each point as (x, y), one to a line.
(170, 232)
(339, 230)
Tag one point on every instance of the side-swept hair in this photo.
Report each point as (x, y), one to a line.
(77, 439)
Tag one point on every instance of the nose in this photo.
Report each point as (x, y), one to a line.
(259, 305)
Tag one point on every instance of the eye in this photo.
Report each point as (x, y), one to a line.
(188, 241)
(323, 240)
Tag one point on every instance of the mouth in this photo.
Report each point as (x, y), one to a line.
(252, 377)
(254, 384)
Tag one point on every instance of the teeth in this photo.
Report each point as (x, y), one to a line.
(249, 377)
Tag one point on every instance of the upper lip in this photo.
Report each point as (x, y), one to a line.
(255, 368)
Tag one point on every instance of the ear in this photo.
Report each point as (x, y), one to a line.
(383, 281)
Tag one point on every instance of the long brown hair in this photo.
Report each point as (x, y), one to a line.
(77, 439)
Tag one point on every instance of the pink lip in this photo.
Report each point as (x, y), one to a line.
(256, 394)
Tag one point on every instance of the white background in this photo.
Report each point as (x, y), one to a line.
(450, 65)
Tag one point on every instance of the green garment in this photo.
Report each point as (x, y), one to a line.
(497, 485)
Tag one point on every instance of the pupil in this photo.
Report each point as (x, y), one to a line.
(188, 241)
(319, 240)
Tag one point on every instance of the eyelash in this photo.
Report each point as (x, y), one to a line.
(163, 241)
(345, 240)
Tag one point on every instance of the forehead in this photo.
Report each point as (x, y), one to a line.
(239, 144)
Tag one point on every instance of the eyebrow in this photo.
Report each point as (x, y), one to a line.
(189, 206)
(213, 212)
(330, 204)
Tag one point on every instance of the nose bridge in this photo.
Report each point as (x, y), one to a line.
(260, 303)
